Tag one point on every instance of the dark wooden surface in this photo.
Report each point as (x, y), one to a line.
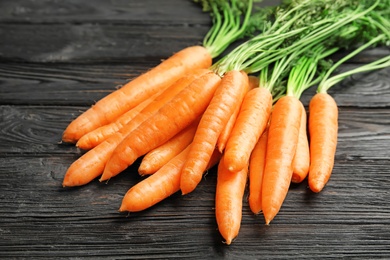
(58, 57)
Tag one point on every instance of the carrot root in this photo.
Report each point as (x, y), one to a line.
(301, 162)
(228, 201)
(227, 96)
(323, 128)
(250, 124)
(281, 147)
(256, 173)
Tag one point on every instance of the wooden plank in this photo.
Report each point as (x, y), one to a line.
(101, 11)
(351, 212)
(93, 42)
(64, 84)
(363, 133)
(84, 84)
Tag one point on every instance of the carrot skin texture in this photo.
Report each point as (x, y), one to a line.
(158, 157)
(228, 95)
(301, 162)
(91, 164)
(256, 173)
(173, 117)
(160, 185)
(281, 147)
(95, 137)
(250, 124)
(323, 129)
(253, 82)
(131, 94)
(228, 200)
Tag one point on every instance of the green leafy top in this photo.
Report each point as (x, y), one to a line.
(232, 20)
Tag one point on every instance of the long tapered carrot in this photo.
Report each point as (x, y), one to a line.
(323, 128)
(256, 172)
(160, 185)
(139, 89)
(95, 137)
(228, 95)
(301, 162)
(154, 103)
(281, 147)
(158, 157)
(228, 200)
(176, 115)
(250, 124)
(91, 164)
(253, 82)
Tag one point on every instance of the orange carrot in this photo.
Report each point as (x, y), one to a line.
(95, 137)
(228, 95)
(224, 136)
(176, 115)
(281, 146)
(301, 162)
(228, 200)
(323, 127)
(160, 185)
(250, 124)
(256, 172)
(156, 158)
(109, 108)
(98, 135)
(91, 164)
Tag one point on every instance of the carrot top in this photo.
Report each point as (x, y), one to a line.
(231, 20)
(298, 24)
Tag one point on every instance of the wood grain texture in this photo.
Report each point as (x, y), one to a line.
(85, 222)
(57, 58)
(89, 42)
(84, 84)
(102, 11)
(363, 133)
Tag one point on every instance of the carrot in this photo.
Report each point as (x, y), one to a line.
(98, 135)
(95, 137)
(281, 146)
(256, 172)
(253, 82)
(301, 162)
(160, 185)
(91, 164)
(156, 158)
(323, 127)
(173, 117)
(250, 124)
(228, 95)
(228, 200)
(109, 108)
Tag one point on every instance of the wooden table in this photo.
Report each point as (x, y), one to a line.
(58, 57)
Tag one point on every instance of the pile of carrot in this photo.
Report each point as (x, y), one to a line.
(241, 114)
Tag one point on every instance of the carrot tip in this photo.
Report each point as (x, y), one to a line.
(104, 180)
(228, 241)
(122, 208)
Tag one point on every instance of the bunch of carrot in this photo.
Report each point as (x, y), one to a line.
(241, 113)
